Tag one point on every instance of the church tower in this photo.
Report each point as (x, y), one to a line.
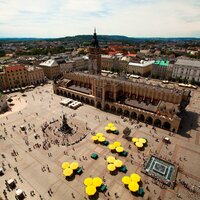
(95, 56)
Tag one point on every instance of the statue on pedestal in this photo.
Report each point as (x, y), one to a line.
(65, 128)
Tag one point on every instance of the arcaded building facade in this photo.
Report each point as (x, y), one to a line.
(154, 105)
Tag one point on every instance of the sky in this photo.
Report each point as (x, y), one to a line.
(134, 18)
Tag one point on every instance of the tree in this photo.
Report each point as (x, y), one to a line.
(193, 81)
(2, 53)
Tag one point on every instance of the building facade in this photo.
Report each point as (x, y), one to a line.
(3, 103)
(107, 62)
(3, 80)
(187, 69)
(69, 66)
(18, 76)
(147, 103)
(51, 69)
(94, 56)
(160, 69)
(143, 68)
(35, 75)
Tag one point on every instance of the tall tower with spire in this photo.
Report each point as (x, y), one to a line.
(95, 55)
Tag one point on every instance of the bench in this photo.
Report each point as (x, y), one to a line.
(116, 132)
(94, 156)
(103, 188)
(124, 153)
(105, 143)
(79, 171)
(123, 169)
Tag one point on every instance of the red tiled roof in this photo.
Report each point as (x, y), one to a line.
(15, 67)
(131, 55)
(111, 53)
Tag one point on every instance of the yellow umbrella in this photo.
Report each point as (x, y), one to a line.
(99, 134)
(118, 163)
(126, 180)
(90, 190)
(135, 177)
(133, 186)
(111, 167)
(119, 149)
(111, 146)
(135, 139)
(107, 128)
(101, 139)
(138, 144)
(110, 159)
(142, 140)
(117, 144)
(88, 181)
(95, 138)
(110, 125)
(113, 128)
(97, 181)
(68, 172)
(74, 165)
(65, 165)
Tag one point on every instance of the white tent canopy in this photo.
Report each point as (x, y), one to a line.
(19, 192)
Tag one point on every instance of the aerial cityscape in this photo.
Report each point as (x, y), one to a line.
(99, 100)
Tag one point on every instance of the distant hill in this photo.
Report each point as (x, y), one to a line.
(103, 38)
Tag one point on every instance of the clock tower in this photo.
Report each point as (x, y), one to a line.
(94, 56)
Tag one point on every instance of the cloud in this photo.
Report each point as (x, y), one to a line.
(50, 18)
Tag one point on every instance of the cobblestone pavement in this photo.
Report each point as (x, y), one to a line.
(185, 149)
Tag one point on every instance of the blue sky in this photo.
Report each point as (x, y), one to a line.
(137, 18)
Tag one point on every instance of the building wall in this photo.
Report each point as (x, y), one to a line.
(80, 63)
(67, 67)
(102, 88)
(107, 63)
(3, 81)
(3, 103)
(20, 77)
(36, 76)
(131, 88)
(158, 70)
(139, 70)
(94, 60)
(17, 78)
(51, 72)
(186, 72)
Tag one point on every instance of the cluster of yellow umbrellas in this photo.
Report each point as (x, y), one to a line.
(113, 163)
(139, 142)
(116, 146)
(91, 185)
(68, 168)
(132, 182)
(99, 137)
(110, 127)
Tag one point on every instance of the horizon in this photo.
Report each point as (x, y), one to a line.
(156, 37)
(131, 18)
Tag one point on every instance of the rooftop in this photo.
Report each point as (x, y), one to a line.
(162, 63)
(142, 63)
(32, 68)
(49, 63)
(15, 67)
(186, 62)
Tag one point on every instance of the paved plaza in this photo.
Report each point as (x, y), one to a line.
(41, 105)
